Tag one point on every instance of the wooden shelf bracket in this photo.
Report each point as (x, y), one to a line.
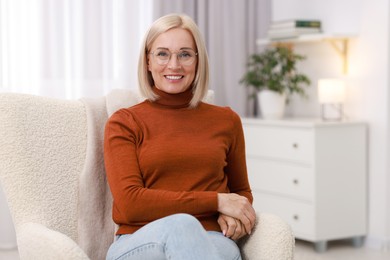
(341, 47)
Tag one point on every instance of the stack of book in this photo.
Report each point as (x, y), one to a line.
(293, 28)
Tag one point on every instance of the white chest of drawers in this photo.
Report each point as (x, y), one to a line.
(312, 174)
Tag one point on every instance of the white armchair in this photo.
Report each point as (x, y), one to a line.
(52, 173)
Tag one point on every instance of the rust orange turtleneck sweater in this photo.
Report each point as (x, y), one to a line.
(164, 158)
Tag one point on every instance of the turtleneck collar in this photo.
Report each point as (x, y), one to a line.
(180, 100)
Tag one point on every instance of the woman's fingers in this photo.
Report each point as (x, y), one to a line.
(231, 227)
(249, 219)
(248, 222)
(223, 224)
(239, 231)
(238, 207)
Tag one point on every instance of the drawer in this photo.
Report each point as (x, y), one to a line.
(281, 178)
(299, 215)
(293, 144)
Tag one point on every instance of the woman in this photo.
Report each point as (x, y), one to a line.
(175, 165)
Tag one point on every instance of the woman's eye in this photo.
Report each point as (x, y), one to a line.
(185, 54)
(162, 54)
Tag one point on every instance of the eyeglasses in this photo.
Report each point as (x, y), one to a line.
(185, 57)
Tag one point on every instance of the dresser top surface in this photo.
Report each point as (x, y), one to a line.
(299, 122)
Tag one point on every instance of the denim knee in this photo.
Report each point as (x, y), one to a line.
(185, 222)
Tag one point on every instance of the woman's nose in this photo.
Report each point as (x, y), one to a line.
(173, 62)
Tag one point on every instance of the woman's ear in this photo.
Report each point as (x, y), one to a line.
(148, 62)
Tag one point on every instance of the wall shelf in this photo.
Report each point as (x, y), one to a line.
(337, 41)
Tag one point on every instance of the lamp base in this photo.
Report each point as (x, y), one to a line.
(332, 112)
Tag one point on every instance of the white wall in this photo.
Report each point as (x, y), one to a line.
(370, 57)
(367, 84)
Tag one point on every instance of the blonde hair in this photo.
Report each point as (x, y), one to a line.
(161, 25)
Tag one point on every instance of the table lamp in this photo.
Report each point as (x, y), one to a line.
(331, 96)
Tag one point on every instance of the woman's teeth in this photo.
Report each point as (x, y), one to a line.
(174, 77)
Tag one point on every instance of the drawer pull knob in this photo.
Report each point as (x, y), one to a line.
(295, 181)
(295, 145)
(296, 217)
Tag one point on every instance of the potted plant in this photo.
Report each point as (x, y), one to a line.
(274, 75)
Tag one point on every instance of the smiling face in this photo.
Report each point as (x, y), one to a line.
(172, 77)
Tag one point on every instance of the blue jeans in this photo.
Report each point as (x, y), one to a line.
(179, 236)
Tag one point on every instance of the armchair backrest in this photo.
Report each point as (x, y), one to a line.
(43, 144)
(51, 164)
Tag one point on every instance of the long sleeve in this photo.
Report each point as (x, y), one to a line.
(236, 169)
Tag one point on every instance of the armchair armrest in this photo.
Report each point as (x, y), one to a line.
(272, 238)
(35, 241)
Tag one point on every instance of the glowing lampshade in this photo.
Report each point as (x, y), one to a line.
(331, 91)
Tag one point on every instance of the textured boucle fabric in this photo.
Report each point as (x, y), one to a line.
(43, 142)
(272, 239)
(41, 243)
(95, 226)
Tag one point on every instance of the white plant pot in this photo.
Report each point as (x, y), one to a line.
(271, 104)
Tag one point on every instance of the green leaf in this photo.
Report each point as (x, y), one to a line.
(275, 69)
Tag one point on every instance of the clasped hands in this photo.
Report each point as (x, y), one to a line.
(237, 216)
